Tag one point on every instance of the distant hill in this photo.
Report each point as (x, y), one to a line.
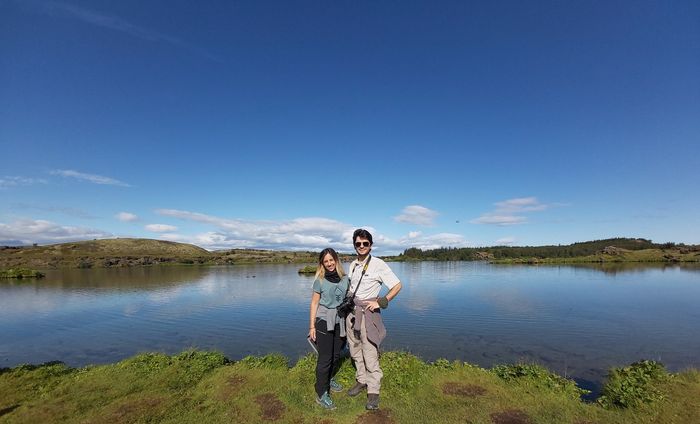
(102, 253)
(125, 252)
(614, 249)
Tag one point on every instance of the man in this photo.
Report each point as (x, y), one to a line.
(365, 330)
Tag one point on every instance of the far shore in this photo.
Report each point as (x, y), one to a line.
(116, 253)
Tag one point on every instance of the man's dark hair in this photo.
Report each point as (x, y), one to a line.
(361, 232)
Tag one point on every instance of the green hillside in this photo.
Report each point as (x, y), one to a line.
(102, 253)
(614, 249)
(124, 252)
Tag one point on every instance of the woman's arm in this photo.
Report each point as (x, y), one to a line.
(315, 299)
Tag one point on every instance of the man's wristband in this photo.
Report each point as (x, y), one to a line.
(383, 302)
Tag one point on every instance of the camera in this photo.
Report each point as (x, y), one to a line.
(346, 307)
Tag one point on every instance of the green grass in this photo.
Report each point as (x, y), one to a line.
(308, 269)
(20, 273)
(619, 256)
(205, 387)
(127, 252)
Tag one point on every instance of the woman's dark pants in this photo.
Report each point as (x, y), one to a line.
(329, 344)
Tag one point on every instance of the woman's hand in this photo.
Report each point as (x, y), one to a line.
(312, 334)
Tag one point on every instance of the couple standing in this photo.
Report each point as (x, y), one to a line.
(363, 326)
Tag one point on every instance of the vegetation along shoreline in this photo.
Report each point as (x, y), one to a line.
(196, 386)
(110, 253)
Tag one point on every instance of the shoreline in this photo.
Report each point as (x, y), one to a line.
(126, 253)
(196, 386)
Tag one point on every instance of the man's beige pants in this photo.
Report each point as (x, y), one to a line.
(366, 357)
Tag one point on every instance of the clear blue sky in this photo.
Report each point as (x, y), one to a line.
(287, 124)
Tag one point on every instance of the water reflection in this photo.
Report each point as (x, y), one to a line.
(613, 268)
(576, 320)
(142, 278)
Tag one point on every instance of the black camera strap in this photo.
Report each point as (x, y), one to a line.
(364, 269)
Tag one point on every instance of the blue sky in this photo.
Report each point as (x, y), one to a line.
(286, 125)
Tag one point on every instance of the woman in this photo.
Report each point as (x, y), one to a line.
(326, 328)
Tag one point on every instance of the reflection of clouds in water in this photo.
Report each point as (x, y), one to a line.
(246, 286)
(429, 276)
(415, 303)
(209, 285)
(161, 297)
(131, 309)
(29, 303)
(509, 299)
(435, 272)
(411, 299)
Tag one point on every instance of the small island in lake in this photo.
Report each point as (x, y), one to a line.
(308, 269)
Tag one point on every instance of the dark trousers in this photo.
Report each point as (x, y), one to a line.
(329, 345)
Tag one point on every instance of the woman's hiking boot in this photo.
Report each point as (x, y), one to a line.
(372, 401)
(325, 401)
(335, 386)
(356, 389)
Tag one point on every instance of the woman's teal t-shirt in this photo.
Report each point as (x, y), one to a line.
(332, 294)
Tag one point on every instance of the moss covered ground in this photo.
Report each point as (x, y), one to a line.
(205, 387)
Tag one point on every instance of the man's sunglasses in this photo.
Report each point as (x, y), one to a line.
(362, 244)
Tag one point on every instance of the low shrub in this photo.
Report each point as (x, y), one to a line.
(20, 273)
(406, 371)
(271, 361)
(540, 377)
(633, 385)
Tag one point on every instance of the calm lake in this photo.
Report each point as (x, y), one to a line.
(577, 321)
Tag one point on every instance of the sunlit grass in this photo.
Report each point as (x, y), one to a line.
(205, 387)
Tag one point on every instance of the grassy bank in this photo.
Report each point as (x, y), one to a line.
(596, 251)
(197, 387)
(612, 255)
(20, 273)
(129, 252)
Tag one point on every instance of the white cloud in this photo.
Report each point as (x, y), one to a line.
(14, 181)
(505, 241)
(126, 217)
(418, 215)
(510, 212)
(499, 219)
(433, 241)
(28, 231)
(161, 228)
(521, 204)
(297, 234)
(92, 178)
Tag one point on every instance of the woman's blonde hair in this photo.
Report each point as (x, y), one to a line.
(321, 270)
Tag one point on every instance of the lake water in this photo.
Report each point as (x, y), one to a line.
(577, 321)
